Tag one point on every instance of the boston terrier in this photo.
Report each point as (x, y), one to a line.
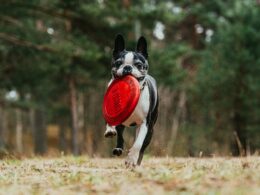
(145, 114)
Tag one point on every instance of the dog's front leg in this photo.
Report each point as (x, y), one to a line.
(133, 155)
(110, 131)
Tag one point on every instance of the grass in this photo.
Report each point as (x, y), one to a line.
(82, 175)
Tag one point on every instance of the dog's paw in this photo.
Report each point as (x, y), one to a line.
(130, 163)
(117, 151)
(131, 160)
(110, 134)
(110, 131)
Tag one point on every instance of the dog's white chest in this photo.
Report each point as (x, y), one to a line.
(141, 110)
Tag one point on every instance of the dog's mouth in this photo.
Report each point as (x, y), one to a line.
(139, 78)
(127, 70)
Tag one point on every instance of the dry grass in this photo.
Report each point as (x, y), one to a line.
(82, 175)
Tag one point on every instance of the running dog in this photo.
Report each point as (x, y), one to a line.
(144, 116)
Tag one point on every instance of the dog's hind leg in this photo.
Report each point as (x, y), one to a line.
(118, 150)
(151, 121)
(132, 158)
(146, 142)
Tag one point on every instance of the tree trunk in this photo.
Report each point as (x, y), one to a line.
(62, 136)
(32, 120)
(2, 129)
(176, 120)
(240, 141)
(40, 134)
(74, 117)
(239, 119)
(87, 128)
(19, 131)
(81, 120)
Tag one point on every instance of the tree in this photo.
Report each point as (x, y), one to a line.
(230, 72)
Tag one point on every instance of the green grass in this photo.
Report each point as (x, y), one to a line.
(70, 175)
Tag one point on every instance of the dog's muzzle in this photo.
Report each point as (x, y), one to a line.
(127, 70)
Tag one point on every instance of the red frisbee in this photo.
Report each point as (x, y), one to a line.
(120, 99)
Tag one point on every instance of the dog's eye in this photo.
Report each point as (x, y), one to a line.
(118, 63)
(139, 65)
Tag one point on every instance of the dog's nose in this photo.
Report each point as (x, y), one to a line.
(127, 70)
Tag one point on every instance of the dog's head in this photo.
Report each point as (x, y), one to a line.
(130, 62)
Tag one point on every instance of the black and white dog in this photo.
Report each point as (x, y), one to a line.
(145, 114)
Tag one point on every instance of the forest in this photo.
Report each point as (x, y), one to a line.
(55, 63)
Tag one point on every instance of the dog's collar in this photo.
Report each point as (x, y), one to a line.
(143, 85)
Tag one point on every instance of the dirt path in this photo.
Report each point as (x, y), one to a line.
(82, 175)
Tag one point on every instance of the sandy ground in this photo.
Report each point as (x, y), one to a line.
(83, 175)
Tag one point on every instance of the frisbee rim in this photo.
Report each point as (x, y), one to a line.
(130, 105)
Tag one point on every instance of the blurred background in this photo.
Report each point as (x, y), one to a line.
(55, 61)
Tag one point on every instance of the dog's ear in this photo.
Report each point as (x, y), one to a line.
(119, 44)
(142, 46)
